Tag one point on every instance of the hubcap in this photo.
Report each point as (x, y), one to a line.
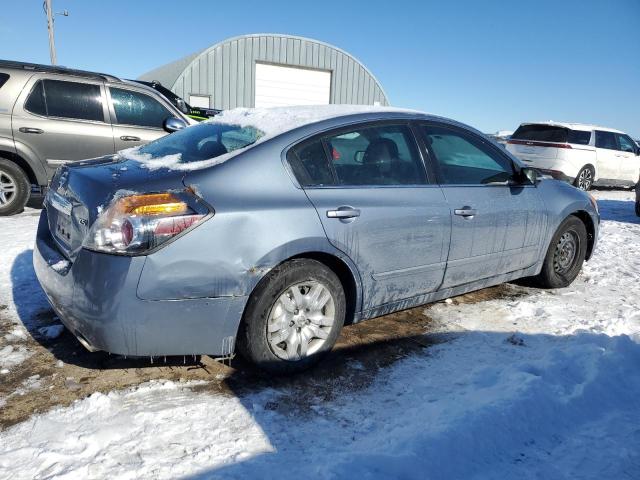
(566, 251)
(300, 320)
(7, 189)
(585, 179)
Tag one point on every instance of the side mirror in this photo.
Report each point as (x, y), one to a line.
(182, 105)
(358, 157)
(173, 124)
(529, 174)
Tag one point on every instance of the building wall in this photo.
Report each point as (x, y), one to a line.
(226, 70)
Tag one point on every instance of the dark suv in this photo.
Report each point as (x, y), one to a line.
(197, 113)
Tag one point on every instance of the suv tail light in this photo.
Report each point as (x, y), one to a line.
(137, 224)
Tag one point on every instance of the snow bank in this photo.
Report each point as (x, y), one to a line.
(272, 121)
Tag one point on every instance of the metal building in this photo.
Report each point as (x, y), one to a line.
(269, 70)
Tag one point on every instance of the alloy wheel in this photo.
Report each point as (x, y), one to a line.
(585, 179)
(301, 320)
(8, 189)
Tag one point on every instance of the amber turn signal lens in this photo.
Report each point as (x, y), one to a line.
(153, 204)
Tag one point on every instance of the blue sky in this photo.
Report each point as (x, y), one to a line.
(491, 64)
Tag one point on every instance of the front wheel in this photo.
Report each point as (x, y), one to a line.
(293, 318)
(565, 255)
(584, 180)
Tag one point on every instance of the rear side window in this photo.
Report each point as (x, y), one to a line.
(462, 159)
(62, 99)
(579, 137)
(134, 108)
(606, 140)
(380, 155)
(310, 165)
(35, 102)
(3, 79)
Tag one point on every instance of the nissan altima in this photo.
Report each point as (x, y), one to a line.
(267, 230)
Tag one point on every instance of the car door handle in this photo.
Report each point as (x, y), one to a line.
(343, 212)
(30, 130)
(466, 212)
(128, 138)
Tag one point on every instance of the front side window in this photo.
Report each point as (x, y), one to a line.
(462, 159)
(135, 108)
(380, 155)
(626, 144)
(606, 140)
(62, 99)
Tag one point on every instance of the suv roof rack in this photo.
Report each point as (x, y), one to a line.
(37, 67)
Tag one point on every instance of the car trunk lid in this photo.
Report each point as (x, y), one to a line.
(80, 191)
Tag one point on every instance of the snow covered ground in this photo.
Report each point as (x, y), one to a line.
(541, 384)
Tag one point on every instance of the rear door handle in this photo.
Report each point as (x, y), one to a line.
(30, 130)
(466, 212)
(128, 138)
(343, 212)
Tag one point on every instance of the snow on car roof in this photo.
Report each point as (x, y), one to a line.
(272, 121)
(276, 120)
(574, 126)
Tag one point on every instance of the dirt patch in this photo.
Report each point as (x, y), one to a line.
(60, 370)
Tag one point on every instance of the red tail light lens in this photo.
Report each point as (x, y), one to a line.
(136, 224)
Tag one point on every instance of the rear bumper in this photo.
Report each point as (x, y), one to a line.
(95, 297)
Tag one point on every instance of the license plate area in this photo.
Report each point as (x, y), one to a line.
(62, 226)
(63, 229)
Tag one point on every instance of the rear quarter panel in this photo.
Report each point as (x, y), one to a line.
(260, 220)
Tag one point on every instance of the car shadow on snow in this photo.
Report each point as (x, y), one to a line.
(490, 402)
(618, 211)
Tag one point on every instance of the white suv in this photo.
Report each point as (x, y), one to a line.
(581, 154)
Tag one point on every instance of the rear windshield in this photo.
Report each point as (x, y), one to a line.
(203, 141)
(3, 79)
(551, 133)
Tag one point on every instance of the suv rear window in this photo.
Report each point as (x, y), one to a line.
(58, 98)
(551, 133)
(3, 79)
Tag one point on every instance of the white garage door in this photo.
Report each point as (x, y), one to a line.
(278, 86)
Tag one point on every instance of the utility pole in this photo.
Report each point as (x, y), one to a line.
(46, 5)
(52, 41)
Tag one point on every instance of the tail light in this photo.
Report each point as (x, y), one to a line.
(136, 224)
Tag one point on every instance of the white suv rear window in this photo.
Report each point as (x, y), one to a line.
(551, 133)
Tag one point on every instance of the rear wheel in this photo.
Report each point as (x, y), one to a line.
(14, 188)
(293, 318)
(565, 255)
(584, 180)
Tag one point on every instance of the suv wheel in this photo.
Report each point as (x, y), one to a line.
(293, 318)
(14, 188)
(584, 180)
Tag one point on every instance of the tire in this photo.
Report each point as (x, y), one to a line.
(584, 180)
(638, 209)
(560, 267)
(15, 188)
(273, 313)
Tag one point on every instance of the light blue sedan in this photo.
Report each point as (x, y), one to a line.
(271, 229)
